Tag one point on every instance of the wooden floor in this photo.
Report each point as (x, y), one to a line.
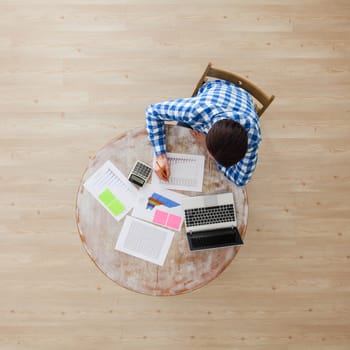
(75, 74)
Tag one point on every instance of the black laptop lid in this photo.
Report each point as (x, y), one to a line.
(214, 238)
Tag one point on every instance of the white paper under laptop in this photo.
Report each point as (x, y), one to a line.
(159, 206)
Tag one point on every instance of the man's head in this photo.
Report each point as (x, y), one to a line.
(227, 142)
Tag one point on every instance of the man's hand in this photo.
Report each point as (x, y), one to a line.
(199, 137)
(162, 168)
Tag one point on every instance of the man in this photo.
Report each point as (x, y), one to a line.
(223, 120)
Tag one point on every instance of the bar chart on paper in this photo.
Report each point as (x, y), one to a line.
(186, 172)
(159, 206)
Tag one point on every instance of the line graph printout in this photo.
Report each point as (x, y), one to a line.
(112, 189)
(186, 172)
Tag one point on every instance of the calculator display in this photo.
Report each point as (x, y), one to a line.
(136, 180)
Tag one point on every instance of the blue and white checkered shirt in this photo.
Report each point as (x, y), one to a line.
(216, 100)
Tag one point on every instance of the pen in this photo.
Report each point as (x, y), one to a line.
(162, 170)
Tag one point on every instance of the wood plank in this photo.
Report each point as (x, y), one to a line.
(75, 74)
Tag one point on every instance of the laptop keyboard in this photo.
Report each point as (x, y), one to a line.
(209, 215)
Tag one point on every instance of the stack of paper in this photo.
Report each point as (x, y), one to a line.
(157, 212)
(145, 240)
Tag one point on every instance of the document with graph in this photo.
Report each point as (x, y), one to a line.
(112, 190)
(144, 240)
(159, 206)
(186, 172)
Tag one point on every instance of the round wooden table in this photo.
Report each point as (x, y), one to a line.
(183, 270)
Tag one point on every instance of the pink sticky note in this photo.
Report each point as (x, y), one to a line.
(160, 217)
(174, 221)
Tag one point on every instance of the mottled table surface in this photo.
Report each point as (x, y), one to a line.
(183, 270)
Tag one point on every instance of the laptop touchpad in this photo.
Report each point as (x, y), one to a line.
(210, 201)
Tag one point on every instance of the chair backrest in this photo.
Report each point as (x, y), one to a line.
(260, 96)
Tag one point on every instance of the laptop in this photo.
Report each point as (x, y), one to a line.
(210, 221)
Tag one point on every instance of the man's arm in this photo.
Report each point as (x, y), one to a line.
(242, 172)
(177, 110)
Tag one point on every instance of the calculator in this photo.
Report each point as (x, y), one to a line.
(140, 173)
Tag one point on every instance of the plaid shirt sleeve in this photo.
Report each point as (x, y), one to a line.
(242, 172)
(179, 110)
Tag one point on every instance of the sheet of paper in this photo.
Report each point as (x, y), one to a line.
(186, 172)
(144, 240)
(112, 189)
(159, 206)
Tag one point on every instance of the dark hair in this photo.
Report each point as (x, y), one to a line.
(227, 142)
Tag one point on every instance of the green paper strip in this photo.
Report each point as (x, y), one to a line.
(107, 197)
(115, 206)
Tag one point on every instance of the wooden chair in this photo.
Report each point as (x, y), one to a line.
(261, 99)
